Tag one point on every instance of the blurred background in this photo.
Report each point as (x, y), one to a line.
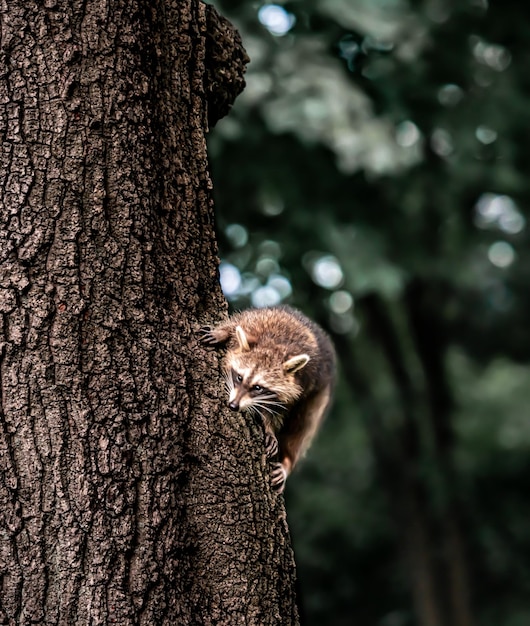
(374, 173)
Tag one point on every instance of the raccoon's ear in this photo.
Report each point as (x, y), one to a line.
(295, 363)
(242, 339)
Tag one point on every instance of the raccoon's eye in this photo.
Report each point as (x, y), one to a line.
(239, 378)
(257, 388)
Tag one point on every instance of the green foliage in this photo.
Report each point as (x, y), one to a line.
(373, 173)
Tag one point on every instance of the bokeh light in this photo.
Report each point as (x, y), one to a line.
(499, 212)
(276, 19)
(327, 272)
(265, 296)
(230, 278)
(501, 254)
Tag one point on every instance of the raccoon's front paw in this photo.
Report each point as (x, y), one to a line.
(209, 336)
(278, 477)
(271, 445)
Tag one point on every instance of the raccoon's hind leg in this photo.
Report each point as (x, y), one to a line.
(300, 428)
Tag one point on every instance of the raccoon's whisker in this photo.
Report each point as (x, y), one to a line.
(271, 403)
(264, 407)
(272, 398)
(272, 408)
(263, 414)
(253, 410)
(268, 398)
(229, 383)
(259, 405)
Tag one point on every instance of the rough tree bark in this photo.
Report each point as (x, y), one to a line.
(128, 495)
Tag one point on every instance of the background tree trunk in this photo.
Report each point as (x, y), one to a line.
(432, 545)
(126, 494)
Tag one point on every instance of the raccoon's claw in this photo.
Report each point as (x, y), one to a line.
(213, 336)
(278, 477)
(271, 445)
(208, 336)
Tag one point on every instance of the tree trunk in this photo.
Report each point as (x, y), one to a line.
(396, 457)
(428, 519)
(128, 495)
(424, 301)
(432, 544)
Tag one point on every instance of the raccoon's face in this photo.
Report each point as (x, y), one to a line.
(260, 381)
(247, 388)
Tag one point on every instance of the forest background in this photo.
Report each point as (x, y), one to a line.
(374, 173)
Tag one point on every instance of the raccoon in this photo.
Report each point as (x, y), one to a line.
(280, 366)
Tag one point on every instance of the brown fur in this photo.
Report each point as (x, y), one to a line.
(284, 352)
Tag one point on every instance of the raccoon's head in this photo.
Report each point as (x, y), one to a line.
(260, 380)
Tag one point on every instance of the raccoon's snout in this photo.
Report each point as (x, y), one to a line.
(234, 406)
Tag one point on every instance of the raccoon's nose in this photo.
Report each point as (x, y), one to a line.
(234, 406)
